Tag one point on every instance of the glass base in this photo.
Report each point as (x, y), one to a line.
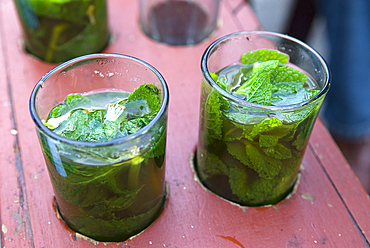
(157, 211)
(285, 195)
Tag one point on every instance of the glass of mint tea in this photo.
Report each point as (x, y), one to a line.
(56, 31)
(261, 93)
(101, 121)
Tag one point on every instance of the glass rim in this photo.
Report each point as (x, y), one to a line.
(224, 93)
(62, 66)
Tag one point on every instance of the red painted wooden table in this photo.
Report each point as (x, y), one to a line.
(330, 207)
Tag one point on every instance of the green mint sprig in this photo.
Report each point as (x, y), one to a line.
(270, 77)
(260, 55)
(77, 120)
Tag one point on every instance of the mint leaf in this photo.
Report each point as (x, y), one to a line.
(287, 80)
(287, 88)
(134, 125)
(287, 74)
(238, 181)
(278, 151)
(71, 101)
(106, 208)
(69, 10)
(114, 229)
(257, 88)
(58, 111)
(249, 155)
(304, 127)
(258, 69)
(75, 127)
(87, 185)
(159, 148)
(214, 76)
(213, 165)
(255, 192)
(263, 55)
(74, 99)
(301, 141)
(149, 95)
(265, 166)
(268, 140)
(256, 126)
(265, 126)
(309, 94)
(267, 66)
(215, 103)
(260, 90)
(237, 149)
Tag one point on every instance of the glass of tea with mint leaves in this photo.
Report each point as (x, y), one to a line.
(56, 31)
(101, 120)
(261, 93)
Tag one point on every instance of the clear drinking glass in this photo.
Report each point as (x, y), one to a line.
(249, 153)
(56, 31)
(178, 22)
(109, 190)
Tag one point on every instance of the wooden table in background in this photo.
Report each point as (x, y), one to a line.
(330, 207)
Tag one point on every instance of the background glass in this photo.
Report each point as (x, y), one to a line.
(219, 167)
(109, 190)
(56, 31)
(178, 22)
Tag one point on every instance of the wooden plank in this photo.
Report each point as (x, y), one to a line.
(343, 179)
(193, 217)
(14, 215)
(23, 72)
